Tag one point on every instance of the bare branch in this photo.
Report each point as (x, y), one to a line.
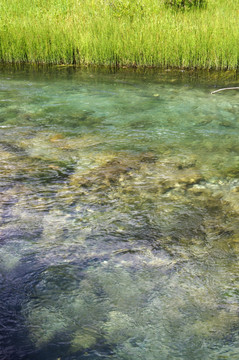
(230, 88)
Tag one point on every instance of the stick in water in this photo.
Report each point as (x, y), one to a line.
(230, 88)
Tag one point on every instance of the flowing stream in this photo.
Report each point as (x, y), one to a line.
(119, 209)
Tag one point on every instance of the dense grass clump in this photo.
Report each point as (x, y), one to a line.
(185, 4)
(120, 33)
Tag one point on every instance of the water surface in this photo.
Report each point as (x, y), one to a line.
(119, 216)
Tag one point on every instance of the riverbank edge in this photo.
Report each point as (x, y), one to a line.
(118, 67)
(223, 77)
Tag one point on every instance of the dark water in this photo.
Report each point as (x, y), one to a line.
(119, 210)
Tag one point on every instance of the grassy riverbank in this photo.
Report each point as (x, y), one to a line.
(119, 32)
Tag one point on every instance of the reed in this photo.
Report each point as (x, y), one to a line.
(119, 33)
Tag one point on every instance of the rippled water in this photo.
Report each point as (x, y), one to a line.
(119, 213)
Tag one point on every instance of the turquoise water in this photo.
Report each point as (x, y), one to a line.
(119, 214)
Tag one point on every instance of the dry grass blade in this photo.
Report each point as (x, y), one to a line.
(223, 89)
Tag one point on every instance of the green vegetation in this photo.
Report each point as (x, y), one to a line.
(120, 33)
(185, 4)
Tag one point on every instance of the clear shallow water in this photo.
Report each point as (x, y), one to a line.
(119, 216)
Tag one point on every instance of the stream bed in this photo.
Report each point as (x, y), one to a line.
(119, 213)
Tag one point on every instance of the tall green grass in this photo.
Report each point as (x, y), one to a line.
(119, 33)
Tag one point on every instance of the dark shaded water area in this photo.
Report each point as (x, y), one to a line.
(119, 205)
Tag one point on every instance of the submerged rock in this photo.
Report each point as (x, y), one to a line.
(103, 176)
(9, 257)
(133, 312)
(58, 147)
(45, 323)
(83, 340)
(173, 175)
(119, 327)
